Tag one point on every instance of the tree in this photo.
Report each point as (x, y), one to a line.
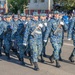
(16, 5)
(66, 4)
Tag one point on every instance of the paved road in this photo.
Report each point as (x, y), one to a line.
(12, 67)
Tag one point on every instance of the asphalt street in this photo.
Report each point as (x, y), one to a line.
(13, 66)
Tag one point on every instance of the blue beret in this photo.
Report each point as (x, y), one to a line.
(15, 16)
(35, 14)
(23, 15)
(56, 12)
(43, 14)
(5, 16)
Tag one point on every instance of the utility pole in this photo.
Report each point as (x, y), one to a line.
(6, 6)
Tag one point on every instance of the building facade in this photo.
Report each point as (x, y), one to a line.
(3, 6)
(39, 6)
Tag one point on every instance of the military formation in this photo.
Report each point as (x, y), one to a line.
(27, 35)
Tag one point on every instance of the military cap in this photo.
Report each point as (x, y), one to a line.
(5, 16)
(35, 14)
(56, 12)
(28, 16)
(23, 15)
(43, 14)
(8, 16)
(15, 16)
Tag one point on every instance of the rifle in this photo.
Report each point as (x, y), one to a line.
(38, 27)
(59, 26)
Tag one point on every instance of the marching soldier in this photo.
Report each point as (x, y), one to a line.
(14, 24)
(55, 29)
(43, 21)
(71, 35)
(1, 34)
(7, 36)
(35, 35)
(19, 35)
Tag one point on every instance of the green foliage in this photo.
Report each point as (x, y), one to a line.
(15, 5)
(66, 4)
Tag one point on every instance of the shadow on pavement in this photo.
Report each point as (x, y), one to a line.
(67, 61)
(15, 61)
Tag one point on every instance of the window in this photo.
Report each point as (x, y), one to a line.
(35, 1)
(42, 0)
(42, 11)
(35, 10)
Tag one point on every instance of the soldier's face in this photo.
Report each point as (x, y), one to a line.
(35, 17)
(8, 19)
(15, 19)
(43, 17)
(5, 19)
(23, 18)
(50, 15)
(56, 15)
(28, 18)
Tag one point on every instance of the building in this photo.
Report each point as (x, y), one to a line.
(39, 6)
(3, 6)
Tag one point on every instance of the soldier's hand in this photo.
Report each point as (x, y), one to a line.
(24, 44)
(69, 39)
(61, 23)
(45, 41)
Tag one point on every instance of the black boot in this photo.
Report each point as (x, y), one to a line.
(18, 56)
(51, 59)
(36, 66)
(44, 51)
(0, 53)
(30, 58)
(30, 61)
(8, 56)
(22, 62)
(25, 53)
(57, 64)
(45, 55)
(42, 59)
(60, 59)
(71, 58)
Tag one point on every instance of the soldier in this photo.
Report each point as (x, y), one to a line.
(35, 35)
(19, 35)
(7, 37)
(43, 21)
(23, 18)
(50, 15)
(55, 29)
(66, 19)
(14, 24)
(1, 34)
(71, 35)
(28, 50)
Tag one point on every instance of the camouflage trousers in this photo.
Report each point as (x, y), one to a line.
(1, 44)
(7, 45)
(73, 52)
(36, 49)
(21, 50)
(57, 47)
